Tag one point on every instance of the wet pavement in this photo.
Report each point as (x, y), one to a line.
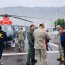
(14, 60)
(21, 59)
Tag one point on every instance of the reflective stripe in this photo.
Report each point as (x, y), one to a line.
(13, 54)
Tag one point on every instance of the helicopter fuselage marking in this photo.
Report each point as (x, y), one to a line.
(1, 35)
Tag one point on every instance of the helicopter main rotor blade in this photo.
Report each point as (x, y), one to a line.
(22, 19)
(17, 16)
(14, 16)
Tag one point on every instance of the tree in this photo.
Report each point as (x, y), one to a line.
(60, 22)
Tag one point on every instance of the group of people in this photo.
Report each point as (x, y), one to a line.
(37, 38)
(3, 41)
(37, 48)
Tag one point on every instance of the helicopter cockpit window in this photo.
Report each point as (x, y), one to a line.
(8, 29)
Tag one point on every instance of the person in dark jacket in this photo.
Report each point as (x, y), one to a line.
(62, 38)
(3, 38)
(31, 50)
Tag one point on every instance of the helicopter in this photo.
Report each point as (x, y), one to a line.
(7, 27)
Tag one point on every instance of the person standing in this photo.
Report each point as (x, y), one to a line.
(3, 39)
(59, 29)
(20, 37)
(62, 39)
(40, 36)
(31, 50)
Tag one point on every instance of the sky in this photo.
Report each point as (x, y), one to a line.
(32, 3)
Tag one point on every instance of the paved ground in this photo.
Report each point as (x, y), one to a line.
(21, 59)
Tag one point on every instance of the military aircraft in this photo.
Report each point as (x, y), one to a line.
(7, 26)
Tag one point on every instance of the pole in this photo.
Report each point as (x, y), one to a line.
(57, 16)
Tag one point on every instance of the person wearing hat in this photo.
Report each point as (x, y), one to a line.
(20, 37)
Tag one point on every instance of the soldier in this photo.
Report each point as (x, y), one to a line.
(31, 50)
(20, 38)
(3, 39)
(59, 44)
(40, 36)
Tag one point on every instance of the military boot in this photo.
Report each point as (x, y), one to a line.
(61, 58)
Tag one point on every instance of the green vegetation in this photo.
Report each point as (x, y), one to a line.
(60, 22)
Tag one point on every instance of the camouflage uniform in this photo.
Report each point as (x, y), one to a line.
(40, 47)
(59, 45)
(20, 38)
